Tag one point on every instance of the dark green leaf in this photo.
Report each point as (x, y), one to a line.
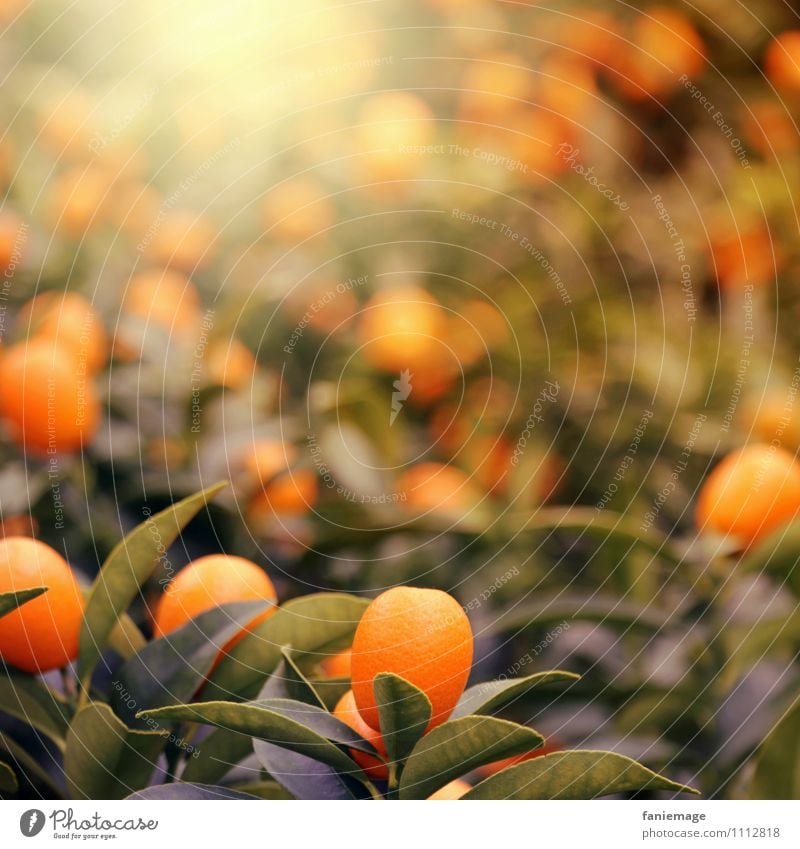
(459, 746)
(487, 698)
(180, 790)
(128, 566)
(404, 712)
(323, 622)
(106, 760)
(8, 780)
(170, 670)
(778, 553)
(27, 699)
(777, 772)
(288, 682)
(29, 768)
(573, 775)
(13, 600)
(264, 789)
(216, 755)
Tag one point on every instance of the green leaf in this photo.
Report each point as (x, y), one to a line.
(27, 699)
(104, 758)
(404, 712)
(171, 669)
(181, 790)
(263, 790)
(573, 775)
(8, 779)
(216, 755)
(303, 728)
(487, 698)
(459, 746)
(13, 600)
(29, 768)
(778, 553)
(777, 772)
(126, 639)
(318, 623)
(288, 682)
(128, 566)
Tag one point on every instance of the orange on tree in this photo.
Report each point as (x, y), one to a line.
(495, 86)
(77, 199)
(347, 712)
(12, 239)
(48, 400)
(452, 790)
(438, 488)
(401, 328)
(297, 209)
(164, 297)
(338, 665)
(782, 61)
(207, 583)
(773, 417)
(769, 127)
(290, 493)
(70, 321)
(183, 240)
(230, 363)
(43, 633)
(746, 255)
(421, 635)
(750, 493)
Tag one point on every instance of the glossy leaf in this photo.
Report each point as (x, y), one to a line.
(573, 775)
(777, 772)
(29, 700)
(197, 792)
(171, 669)
(13, 600)
(487, 698)
(288, 682)
(106, 760)
(216, 755)
(404, 712)
(317, 623)
(128, 566)
(459, 746)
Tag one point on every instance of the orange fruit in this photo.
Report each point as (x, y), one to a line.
(266, 457)
(773, 417)
(337, 665)
(475, 330)
(13, 236)
(184, 240)
(782, 60)
(71, 322)
(494, 86)
(78, 198)
(749, 255)
(453, 790)
(208, 582)
(769, 128)
(435, 487)
(47, 399)
(347, 712)
(230, 364)
(400, 328)
(392, 127)
(292, 493)
(567, 86)
(41, 634)
(421, 635)
(591, 34)
(67, 124)
(165, 297)
(750, 493)
(297, 209)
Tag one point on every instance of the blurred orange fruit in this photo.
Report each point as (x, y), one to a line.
(47, 399)
(774, 417)
(43, 633)
(184, 240)
(78, 198)
(494, 86)
(744, 256)
(163, 297)
(401, 328)
(297, 209)
(347, 712)
(13, 235)
(230, 364)
(434, 487)
(265, 458)
(291, 493)
(209, 582)
(66, 124)
(567, 86)
(750, 493)
(421, 635)
(476, 329)
(591, 34)
(782, 60)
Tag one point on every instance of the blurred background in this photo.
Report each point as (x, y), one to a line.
(456, 293)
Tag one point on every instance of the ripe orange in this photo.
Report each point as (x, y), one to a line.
(454, 790)
(47, 398)
(291, 493)
(774, 417)
(435, 487)
(184, 240)
(297, 209)
(750, 492)
(230, 364)
(495, 86)
(265, 458)
(41, 634)
(164, 297)
(347, 712)
(401, 328)
(749, 255)
(782, 60)
(207, 583)
(338, 665)
(71, 322)
(421, 635)
(769, 128)
(78, 198)
(567, 86)
(12, 239)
